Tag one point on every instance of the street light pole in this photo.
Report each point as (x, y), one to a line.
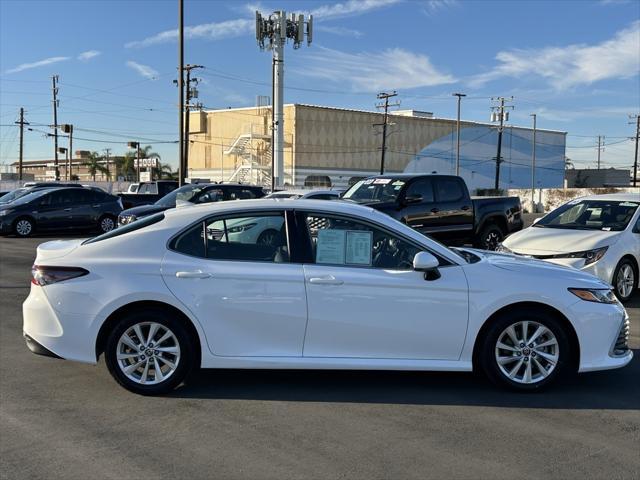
(533, 165)
(459, 95)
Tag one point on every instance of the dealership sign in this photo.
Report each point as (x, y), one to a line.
(146, 162)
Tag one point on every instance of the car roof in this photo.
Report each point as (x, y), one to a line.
(301, 191)
(614, 197)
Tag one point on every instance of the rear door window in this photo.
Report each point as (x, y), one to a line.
(449, 190)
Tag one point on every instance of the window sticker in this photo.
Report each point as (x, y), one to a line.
(359, 248)
(331, 246)
(628, 204)
(381, 181)
(368, 182)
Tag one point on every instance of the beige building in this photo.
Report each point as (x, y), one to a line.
(333, 146)
(45, 170)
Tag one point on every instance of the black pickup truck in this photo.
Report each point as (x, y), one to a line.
(148, 193)
(440, 206)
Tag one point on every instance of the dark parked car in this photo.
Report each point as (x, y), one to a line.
(193, 193)
(440, 206)
(30, 187)
(60, 209)
(148, 193)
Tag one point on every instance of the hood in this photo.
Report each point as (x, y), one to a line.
(541, 269)
(144, 210)
(547, 241)
(56, 249)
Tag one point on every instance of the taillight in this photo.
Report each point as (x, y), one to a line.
(45, 275)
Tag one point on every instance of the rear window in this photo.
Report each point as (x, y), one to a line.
(130, 227)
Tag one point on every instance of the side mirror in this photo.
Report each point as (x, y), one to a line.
(409, 199)
(427, 263)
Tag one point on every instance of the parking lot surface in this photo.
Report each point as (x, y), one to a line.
(66, 420)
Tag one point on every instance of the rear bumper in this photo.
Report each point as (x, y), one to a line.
(38, 349)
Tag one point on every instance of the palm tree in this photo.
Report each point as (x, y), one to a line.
(94, 165)
(163, 171)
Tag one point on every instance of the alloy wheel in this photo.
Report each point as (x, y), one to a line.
(492, 240)
(148, 353)
(107, 224)
(527, 352)
(24, 227)
(625, 280)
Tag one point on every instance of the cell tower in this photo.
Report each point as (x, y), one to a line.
(272, 33)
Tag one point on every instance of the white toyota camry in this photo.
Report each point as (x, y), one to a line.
(599, 234)
(341, 286)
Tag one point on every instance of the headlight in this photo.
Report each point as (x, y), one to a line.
(502, 249)
(126, 219)
(595, 295)
(241, 228)
(590, 256)
(4, 212)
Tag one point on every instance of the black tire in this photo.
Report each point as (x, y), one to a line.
(24, 227)
(623, 268)
(106, 220)
(488, 349)
(268, 237)
(184, 365)
(490, 237)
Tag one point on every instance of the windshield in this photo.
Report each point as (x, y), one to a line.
(606, 215)
(26, 198)
(284, 195)
(14, 194)
(185, 193)
(375, 190)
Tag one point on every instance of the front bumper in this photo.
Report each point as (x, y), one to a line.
(6, 226)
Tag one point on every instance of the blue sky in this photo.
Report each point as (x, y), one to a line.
(574, 63)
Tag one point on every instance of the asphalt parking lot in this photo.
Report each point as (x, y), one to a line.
(65, 420)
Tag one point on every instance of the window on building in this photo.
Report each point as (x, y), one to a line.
(317, 181)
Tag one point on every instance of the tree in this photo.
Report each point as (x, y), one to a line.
(163, 172)
(94, 165)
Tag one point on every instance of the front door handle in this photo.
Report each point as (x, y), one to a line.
(67, 209)
(435, 210)
(195, 274)
(328, 280)
(466, 207)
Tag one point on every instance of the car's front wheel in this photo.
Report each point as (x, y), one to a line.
(23, 227)
(625, 279)
(149, 352)
(525, 351)
(106, 223)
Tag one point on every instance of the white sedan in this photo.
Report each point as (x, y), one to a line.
(343, 287)
(599, 234)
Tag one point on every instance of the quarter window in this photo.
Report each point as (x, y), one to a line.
(340, 241)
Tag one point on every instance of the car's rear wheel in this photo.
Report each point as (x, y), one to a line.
(490, 237)
(23, 227)
(625, 279)
(149, 352)
(525, 351)
(106, 223)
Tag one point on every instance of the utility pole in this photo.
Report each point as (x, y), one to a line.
(275, 30)
(68, 128)
(600, 147)
(635, 158)
(54, 89)
(533, 165)
(385, 96)
(498, 114)
(107, 151)
(22, 123)
(181, 165)
(459, 95)
(191, 93)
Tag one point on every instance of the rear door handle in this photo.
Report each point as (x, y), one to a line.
(466, 207)
(328, 280)
(67, 209)
(196, 274)
(435, 210)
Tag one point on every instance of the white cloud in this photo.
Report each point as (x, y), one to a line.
(340, 31)
(144, 70)
(567, 67)
(431, 7)
(374, 71)
(350, 7)
(211, 31)
(88, 55)
(39, 63)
